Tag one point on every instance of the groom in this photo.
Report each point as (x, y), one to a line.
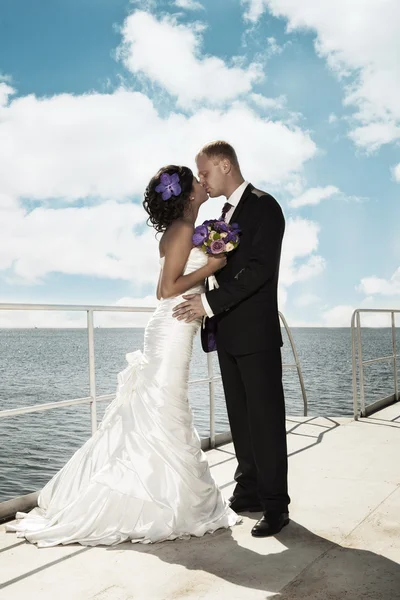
(243, 312)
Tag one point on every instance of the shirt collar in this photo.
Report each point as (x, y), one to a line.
(237, 194)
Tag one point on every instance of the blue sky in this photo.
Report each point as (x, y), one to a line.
(96, 95)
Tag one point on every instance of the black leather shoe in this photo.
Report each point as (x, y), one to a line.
(270, 524)
(239, 505)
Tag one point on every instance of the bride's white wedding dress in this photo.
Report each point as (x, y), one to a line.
(142, 476)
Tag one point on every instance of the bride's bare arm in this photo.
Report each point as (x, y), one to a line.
(177, 249)
(158, 293)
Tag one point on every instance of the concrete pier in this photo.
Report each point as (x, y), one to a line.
(343, 541)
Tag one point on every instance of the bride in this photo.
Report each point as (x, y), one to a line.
(143, 476)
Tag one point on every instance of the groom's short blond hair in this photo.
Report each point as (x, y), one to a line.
(219, 149)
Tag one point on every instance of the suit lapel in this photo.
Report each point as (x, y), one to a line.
(225, 274)
(241, 203)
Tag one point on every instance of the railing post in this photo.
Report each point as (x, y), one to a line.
(396, 390)
(360, 366)
(297, 362)
(92, 375)
(354, 364)
(211, 387)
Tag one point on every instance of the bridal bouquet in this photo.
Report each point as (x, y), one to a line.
(216, 237)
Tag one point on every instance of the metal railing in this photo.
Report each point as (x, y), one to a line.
(24, 503)
(363, 410)
(93, 398)
(296, 364)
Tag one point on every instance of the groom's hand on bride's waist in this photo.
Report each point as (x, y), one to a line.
(189, 310)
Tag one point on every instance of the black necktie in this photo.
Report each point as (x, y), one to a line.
(225, 209)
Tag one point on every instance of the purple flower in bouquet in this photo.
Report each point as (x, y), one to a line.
(218, 246)
(231, 237)
(221, 226)
(215, 237)
(169, 186)
(200, 234)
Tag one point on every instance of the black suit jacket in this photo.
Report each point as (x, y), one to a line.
(245, 304)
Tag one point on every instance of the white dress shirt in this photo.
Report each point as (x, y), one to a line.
(234, 200)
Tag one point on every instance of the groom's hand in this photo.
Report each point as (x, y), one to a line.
(190, 310)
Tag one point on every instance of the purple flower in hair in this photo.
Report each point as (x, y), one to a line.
(169, 186)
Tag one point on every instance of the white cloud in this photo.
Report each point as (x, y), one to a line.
(21, 319)
(268, 103)
(361, 43)
(299, 259)
(305, 300)
(374, 135)
(5, 92)
(332, 118)
(379, 286)
(296, 185)
(74, 147)
(98, 241)
(282, 298)
(273, 47)
(339, 316)
(379, 293)
(396, 173)
(7, 202)
(277, 162)
(314, 196)
(313, 267)
(189, 4)
(170, 55)
(128, 319)
(255, 9)
(147, 5)
(104, 146)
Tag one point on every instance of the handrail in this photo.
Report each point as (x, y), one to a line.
(296, 364)
(92, 399)
(25, 503)
(90, 310)
(356, 348)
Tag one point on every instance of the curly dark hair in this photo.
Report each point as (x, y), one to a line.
(163, 212)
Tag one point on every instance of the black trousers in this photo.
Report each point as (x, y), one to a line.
(256, 411)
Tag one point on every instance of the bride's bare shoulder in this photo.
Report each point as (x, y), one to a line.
(179, 227)
(178, 233)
